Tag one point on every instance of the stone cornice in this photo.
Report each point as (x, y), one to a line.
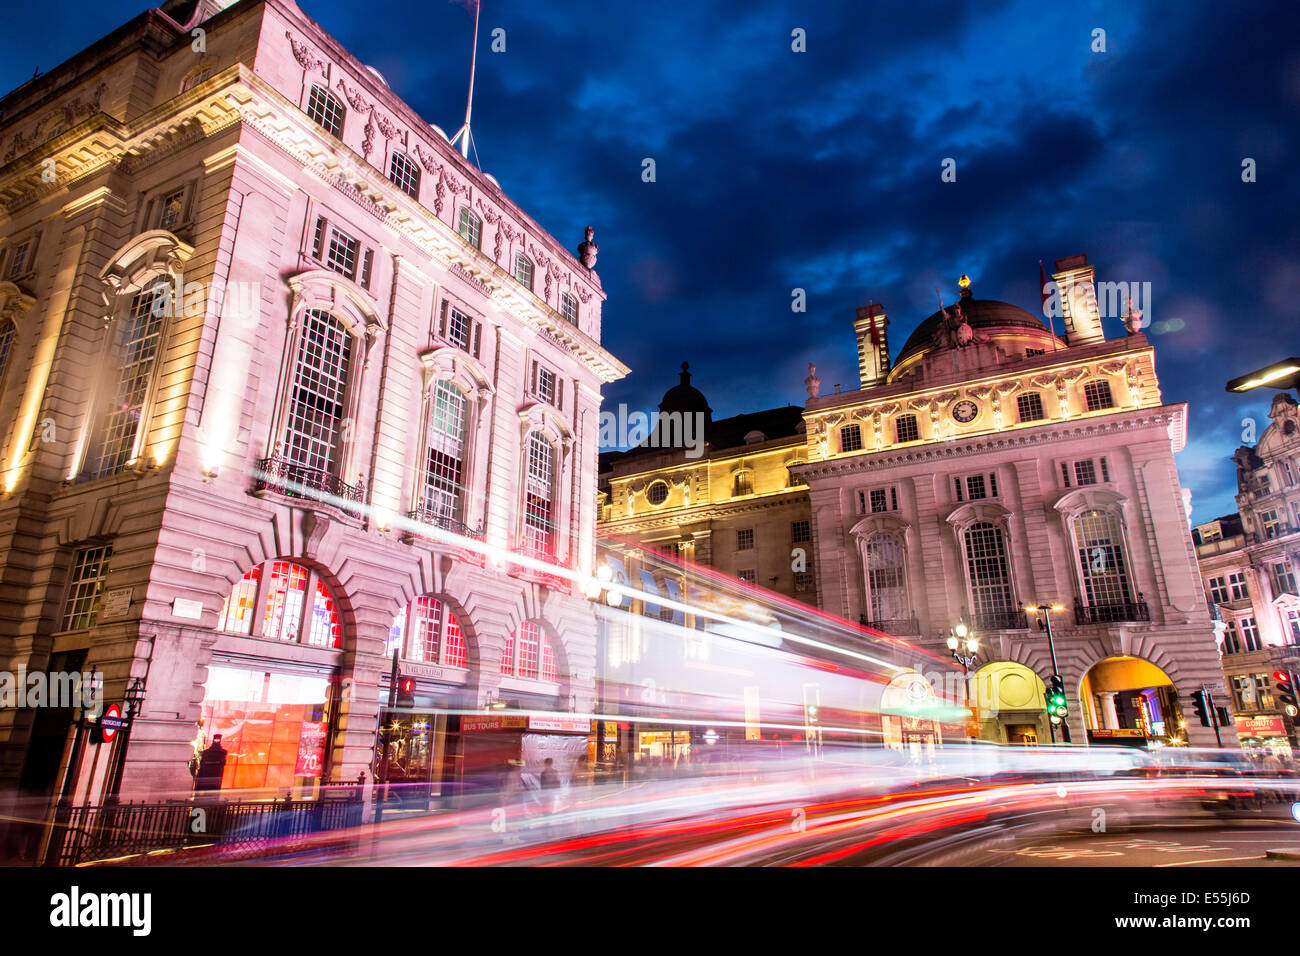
(1031, 440)
(711, 512)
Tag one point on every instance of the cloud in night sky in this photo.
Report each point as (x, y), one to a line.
(821, 170)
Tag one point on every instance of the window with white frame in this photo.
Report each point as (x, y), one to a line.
(1218, 590)
(270, 602)
(1250, 634)
(1099, 543)
(988, 569)
(1096, 396)
(547, 386)
(89, 570)
(1085, 471)
(539, 497)
(460, 330)
(318, 398)
(138, 341)
(569, 308)
(886, 588)
(324, 108)
(529, 654)
(906, 429)
(444, 469)
(343, 253)
(524, 271)
(1029, 407)
(426, 631)
(470, 227)
(851, 438)
(405, 174)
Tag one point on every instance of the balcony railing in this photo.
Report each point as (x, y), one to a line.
(1012, 619)
(292, 480)
(1111, 613)
(429, 516)
(893, 626)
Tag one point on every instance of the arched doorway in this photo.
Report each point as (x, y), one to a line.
(1010, 704)
(907, 706)
(1129, 700)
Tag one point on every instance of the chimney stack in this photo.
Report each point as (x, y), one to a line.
(873, 344)
(1076, 280)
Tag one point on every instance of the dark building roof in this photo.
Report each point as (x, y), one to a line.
(980, 313)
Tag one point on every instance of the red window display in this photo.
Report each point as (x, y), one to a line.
(272, 726)
(277, 596)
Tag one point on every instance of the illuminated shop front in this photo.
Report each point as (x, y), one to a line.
(1263, 735)
(1129, 700)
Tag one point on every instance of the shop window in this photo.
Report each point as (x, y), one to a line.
(275, 594)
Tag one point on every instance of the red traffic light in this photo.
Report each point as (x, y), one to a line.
(406, 685)
(1282, 677)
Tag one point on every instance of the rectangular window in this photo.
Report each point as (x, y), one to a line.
(458, 328)
(1231, 642)
(743, 484)
(975, 488)
(1085, 473)
(326, 110)
(1283, 578)
(1264, 692)
(879, 502)
(1250, 634)
(1243, 691)
(748, 575)
(961, 488)
(405, 174)
(546, 385)
(1096, 396)
(1271, 523)
(745, 539)
(171, 208)
(21, 259)
(1065, 474)
(524, 271)
(1237, 581)
(318, 239)
(470, 227)
(316, 404)
(905, 429)
(851, 438)
(1030, 353)
(1218, 591)
(1029, 407)
(1105, 469)
(1288, 473)
(138, 341)
(342, 254)
(803, 582)
(800, 531)
(89, 569)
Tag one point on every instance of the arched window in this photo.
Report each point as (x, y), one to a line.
(539, 497)
(990, 575)
(444, 475)
(569, 308)
(427, 631)
(269, 602)
(886, 585)
(743, 483)
(470, 227)
(324, 107)
(403, 171)
(528, 653)
(135, 359)
(1099, 543)
(524, 270)
(7, 334)
(317, 403)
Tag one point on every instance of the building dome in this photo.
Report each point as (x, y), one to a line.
(685, 397)
(998, 320)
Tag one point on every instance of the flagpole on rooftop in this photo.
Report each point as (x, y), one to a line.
(463, 134)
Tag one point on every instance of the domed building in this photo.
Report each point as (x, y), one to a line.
(995, 466)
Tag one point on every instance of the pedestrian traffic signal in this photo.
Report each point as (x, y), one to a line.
(1056, 705)
(405, 691)
(1199, 705)
(1284, 688)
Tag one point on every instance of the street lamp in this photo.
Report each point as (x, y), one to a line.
(959, 635)
(1284, 373)
(1046, 611)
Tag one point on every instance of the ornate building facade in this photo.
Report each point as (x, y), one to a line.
(993, 465)
(286, 385)
(733, 506)
(1249, 563)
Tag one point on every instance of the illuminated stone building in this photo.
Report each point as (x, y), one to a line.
(993, 464)
(375, 382)
(729, 503)
(1249, 562)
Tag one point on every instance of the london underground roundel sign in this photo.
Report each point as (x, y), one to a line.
(110, 723)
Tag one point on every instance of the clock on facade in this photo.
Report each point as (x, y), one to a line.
(965, 411)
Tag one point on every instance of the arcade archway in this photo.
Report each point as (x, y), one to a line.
(1129, 700)
(1010, 704)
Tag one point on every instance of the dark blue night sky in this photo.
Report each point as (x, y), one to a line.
(821, 170)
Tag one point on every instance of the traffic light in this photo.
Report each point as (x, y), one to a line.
(1198, 704)
(405, 691)
(1056, 705)
(1284, 690)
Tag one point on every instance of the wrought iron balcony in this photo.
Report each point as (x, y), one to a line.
(429, 516)
(1111, 613)
(1010, 619)
(893, 626)
(292, 480)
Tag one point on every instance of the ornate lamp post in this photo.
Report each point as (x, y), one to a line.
(961, 638)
